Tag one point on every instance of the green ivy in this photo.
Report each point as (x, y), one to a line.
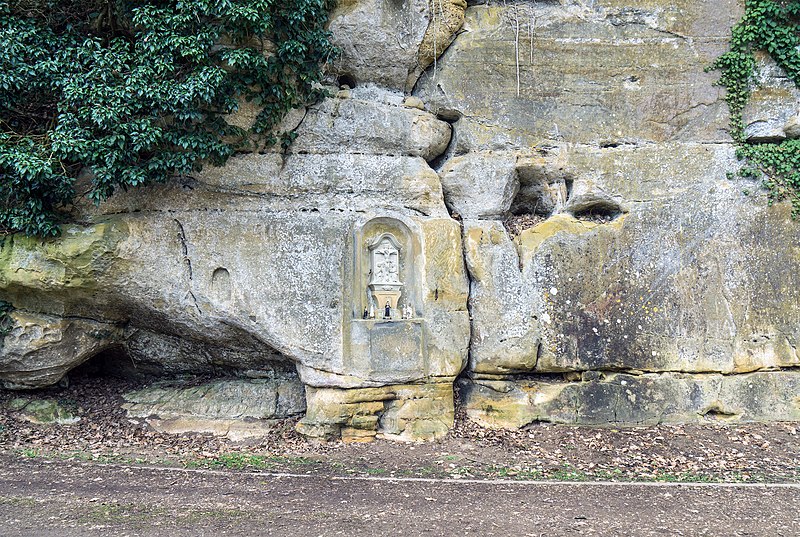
(131, 92)
(772, 26)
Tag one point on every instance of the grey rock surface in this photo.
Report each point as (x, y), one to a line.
(237, 408)
(772, 104)
(594, 125)
(791, 128)
(361, 29)
(602, 72)
(351, 125)
(480, 184)
(40, 349)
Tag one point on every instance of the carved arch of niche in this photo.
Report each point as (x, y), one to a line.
(368, 238)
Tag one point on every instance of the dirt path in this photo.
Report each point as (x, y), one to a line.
(68, 498)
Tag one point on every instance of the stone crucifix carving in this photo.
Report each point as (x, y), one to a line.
(384, 283)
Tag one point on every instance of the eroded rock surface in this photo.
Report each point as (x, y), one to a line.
(263, 262)
(771, 112)
(40, 349)
(599, 125)
(604, 72)
(647, 399)
(390, 43)
(237, 409)
(637, 285)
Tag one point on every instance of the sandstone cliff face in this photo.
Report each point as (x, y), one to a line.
(567, 239)
(265, 261)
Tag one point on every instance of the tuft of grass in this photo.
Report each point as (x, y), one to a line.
(245, 461)
(375, 471)
(30, 453)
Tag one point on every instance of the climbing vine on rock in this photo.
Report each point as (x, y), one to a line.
(772, 26)
(131, 92)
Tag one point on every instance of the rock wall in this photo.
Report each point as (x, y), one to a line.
(553, 178)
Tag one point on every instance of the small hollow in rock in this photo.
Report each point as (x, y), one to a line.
(517, 223)
(112, 362)
(597, 211)
(346, 81)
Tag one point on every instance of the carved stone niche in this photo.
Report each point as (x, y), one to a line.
(385, 271)
(388, 266)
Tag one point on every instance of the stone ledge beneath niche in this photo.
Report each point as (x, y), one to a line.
(406, 413)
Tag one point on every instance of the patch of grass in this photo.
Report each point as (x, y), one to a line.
(239, 461)
(17, 502)
(609, 475)
(500, 471)
(375, 471)
(570, 475)
(529, 475)
(424, 471)
(245, 461)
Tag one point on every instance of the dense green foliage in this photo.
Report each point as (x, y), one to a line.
(772, 26)
(130, 92)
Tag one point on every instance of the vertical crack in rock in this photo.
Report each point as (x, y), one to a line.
(188, 262)
(437, 163)
(184, 247)
(539, 350)
(726, 295)
(292, 133)
(470, 290)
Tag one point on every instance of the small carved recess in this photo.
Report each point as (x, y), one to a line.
(221, 286)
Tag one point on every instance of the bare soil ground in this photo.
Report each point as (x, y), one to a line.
(107, 476)
(69, 499)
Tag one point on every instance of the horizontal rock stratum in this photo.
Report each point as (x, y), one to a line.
(639, 284)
